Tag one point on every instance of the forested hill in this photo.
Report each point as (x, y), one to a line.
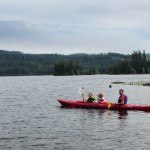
(17, 63)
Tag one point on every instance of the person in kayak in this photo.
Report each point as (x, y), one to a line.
(91, 98)
(101, 98)
(123, 99)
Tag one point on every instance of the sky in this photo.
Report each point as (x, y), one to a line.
(75, 26)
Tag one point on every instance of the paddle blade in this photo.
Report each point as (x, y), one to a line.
(109, 105)
(81, 90)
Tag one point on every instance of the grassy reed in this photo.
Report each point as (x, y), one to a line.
(143, 82)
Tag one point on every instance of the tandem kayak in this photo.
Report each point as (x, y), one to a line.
(106, 105)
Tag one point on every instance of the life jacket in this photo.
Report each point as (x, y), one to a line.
(91, 99)
(125, 100)
(101, 100)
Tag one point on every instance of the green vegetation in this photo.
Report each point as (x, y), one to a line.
(142, 82)
(138, 64)
(67, 68)
(70, 67)
(17, 63)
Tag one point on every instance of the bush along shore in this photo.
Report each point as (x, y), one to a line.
(144, 83)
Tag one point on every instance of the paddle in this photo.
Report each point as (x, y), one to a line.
(81, 91)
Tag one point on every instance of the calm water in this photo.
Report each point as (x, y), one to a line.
(30, 116)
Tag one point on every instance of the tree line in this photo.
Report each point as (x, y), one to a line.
(17, 63)
(69, 67)
(138, 64)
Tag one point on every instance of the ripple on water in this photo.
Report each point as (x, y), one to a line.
(30, 116)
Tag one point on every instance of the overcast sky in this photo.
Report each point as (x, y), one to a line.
(75, 26)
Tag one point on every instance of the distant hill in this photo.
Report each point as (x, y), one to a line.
(18, 63)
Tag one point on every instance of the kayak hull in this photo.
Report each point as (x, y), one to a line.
(107, 105)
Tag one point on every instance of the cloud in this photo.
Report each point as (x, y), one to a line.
(73, 26)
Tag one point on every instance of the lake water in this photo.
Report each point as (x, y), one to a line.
(31, 117)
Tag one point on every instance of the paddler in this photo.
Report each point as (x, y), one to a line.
(100, 98)
(91, 98)
(123, 99)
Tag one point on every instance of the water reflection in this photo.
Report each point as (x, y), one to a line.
(122, 117)
(122, 114)
(101, 113)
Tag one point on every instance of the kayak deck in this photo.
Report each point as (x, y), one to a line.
(107, 105)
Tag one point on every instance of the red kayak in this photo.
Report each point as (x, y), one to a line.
(106, 105)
